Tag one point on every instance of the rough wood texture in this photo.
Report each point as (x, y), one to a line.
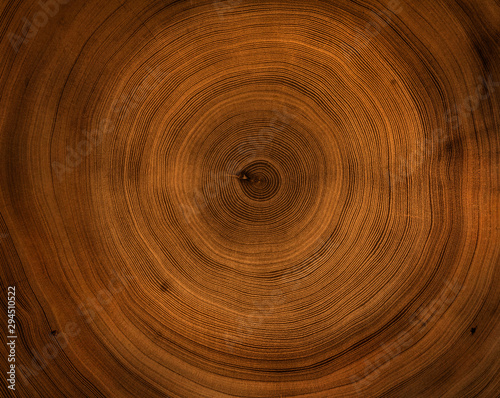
(251, 198)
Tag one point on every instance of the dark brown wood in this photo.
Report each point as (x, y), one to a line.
(250, 198)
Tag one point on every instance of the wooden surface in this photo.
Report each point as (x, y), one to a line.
(251, 198)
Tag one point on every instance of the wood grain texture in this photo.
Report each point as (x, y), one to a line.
(251, 198)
